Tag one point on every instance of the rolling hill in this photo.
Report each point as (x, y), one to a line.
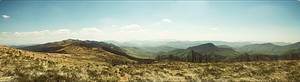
(77, 62)
(85, 50)
(268, 48)
(201, 53)
(147, 52)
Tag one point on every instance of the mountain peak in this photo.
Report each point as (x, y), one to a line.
(267, 44)
(70, 40)
(207, 46)
(74, 44)
(297, 43)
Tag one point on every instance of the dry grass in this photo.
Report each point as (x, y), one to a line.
(18, 65)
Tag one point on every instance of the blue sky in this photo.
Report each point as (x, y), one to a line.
(37, 21)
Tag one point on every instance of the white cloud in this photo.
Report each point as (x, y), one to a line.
(89, 34)
(50, 35)
(166, 20)
(5, 16)
(214, 29)
(114, 25)
(64, 30)
(36, 36)
(121, 33)
(90, 30)
(161, 22)
(131, 28)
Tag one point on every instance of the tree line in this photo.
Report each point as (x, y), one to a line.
(211, 57)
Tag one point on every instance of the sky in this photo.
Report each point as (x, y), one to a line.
(39, 21)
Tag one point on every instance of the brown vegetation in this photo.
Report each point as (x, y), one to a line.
(19, 65)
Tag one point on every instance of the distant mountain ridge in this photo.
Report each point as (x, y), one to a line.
(146, 52)
(185, 44)
(256, 52)
(200, 53)
(207, 46)
(85, 49)
(268, 48)
(61, 45)
(210, 48)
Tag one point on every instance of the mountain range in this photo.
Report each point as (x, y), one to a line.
(268, 48)
(85, 50)
(186, 44)
(254, 52)
(26, 66)
(77, 60)
(200, 53)
(132, 53)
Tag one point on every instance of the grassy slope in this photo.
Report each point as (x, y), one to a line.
(147, 52)
(30, 66)
(240, 71)
(139, 53)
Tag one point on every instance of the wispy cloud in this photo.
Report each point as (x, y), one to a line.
(92, 33)
(129, 32)
(118, 32)
(49, 35)
(166, 20)
(5, 16)
(90, 30)
(122, 33)
(215, 28)
(131, 28)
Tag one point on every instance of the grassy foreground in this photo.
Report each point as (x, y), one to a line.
(18, 65)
